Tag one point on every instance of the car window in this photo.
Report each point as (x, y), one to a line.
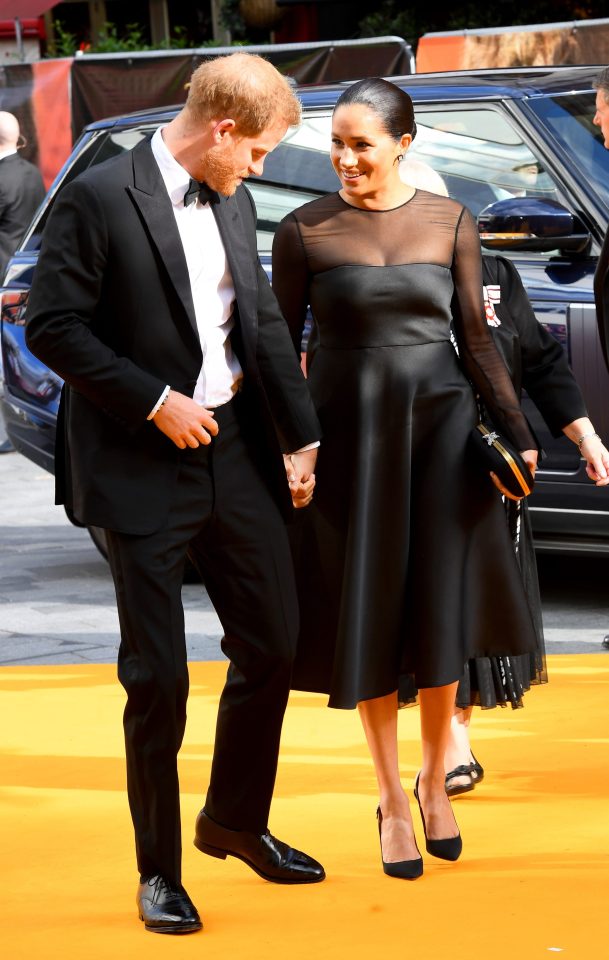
(569, 118)
(96, 147)
(298, 170)
(479, 155)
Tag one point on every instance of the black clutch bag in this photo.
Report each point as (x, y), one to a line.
(498, 455)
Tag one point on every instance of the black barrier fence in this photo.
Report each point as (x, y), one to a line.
(55, 99)
(109, 84)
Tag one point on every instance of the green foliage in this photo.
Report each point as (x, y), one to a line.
(230, 17)
(179, 40)
(66, 43)
(110, 42)
(390, 21)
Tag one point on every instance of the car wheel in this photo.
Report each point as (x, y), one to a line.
(98, 536)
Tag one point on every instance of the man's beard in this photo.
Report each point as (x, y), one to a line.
(219, 172)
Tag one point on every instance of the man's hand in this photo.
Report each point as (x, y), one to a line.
(530, 458)
(184, 421)
(301, 479)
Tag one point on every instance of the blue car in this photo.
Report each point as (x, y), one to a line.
(517, 146)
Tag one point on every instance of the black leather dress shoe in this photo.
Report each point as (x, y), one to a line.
(166, 907)
(270, 858)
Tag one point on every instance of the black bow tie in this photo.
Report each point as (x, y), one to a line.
(200, 190)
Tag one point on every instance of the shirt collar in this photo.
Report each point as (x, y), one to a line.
(175, 177)
(7, 153)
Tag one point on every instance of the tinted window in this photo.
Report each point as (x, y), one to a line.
(297, 171)
(96, 148)
(569, 118)
(479, 155)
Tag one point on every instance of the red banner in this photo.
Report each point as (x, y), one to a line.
(51, 112)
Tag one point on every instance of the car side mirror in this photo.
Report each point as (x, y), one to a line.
(529, 223)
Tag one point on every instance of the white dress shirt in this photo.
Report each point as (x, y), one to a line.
(211, 283)
(213, 293)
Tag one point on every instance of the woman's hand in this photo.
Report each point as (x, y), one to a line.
(301, 479)
(596, 456)
(591, 448)
(530, 458)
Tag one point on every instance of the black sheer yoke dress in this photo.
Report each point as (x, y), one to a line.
(405, 567)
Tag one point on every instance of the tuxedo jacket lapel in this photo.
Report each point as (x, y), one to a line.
(151, 199)
(241, 260)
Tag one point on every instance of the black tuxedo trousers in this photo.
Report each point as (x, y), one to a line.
(223, 515)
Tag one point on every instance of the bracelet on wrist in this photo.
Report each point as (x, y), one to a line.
(586, 436)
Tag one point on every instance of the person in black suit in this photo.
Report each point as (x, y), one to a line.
(538, 364)
(21, 191)
(181, 391)
(601, 276)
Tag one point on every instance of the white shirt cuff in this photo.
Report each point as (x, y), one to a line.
(309, 446)
(159, 403)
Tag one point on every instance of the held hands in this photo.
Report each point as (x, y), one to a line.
(185, 422)
(299, 468)
(530, 458)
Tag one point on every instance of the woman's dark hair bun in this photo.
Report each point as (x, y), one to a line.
(392, 105)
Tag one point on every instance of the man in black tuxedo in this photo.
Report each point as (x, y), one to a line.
(601, 276)
(181, 391)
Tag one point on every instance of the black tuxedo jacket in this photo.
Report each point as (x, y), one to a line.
(21, 192)
(111, 311)
(601, 297)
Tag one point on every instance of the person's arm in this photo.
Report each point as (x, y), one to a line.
(591, 448)
(601, 282)
(281, 375)
(547, 377)
(63, 319)
(61, 312)
(291, 277)
(291, 287)
(284, 384)
(480, 357)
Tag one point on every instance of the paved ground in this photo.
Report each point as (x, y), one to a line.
(57, 598)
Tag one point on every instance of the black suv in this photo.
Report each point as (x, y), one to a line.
(518, 147)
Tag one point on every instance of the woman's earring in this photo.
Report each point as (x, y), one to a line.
(399, 158)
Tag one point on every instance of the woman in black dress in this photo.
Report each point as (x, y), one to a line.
(404, 564)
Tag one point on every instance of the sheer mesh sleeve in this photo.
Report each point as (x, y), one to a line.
(481, 359)
(291, 277)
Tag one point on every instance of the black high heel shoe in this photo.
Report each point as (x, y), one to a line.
(402, 869)
(476, 770)
(448, 849)
(461, 773)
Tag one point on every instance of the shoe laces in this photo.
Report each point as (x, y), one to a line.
(162, 886)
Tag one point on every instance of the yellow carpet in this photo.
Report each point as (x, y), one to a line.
(533, 880)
